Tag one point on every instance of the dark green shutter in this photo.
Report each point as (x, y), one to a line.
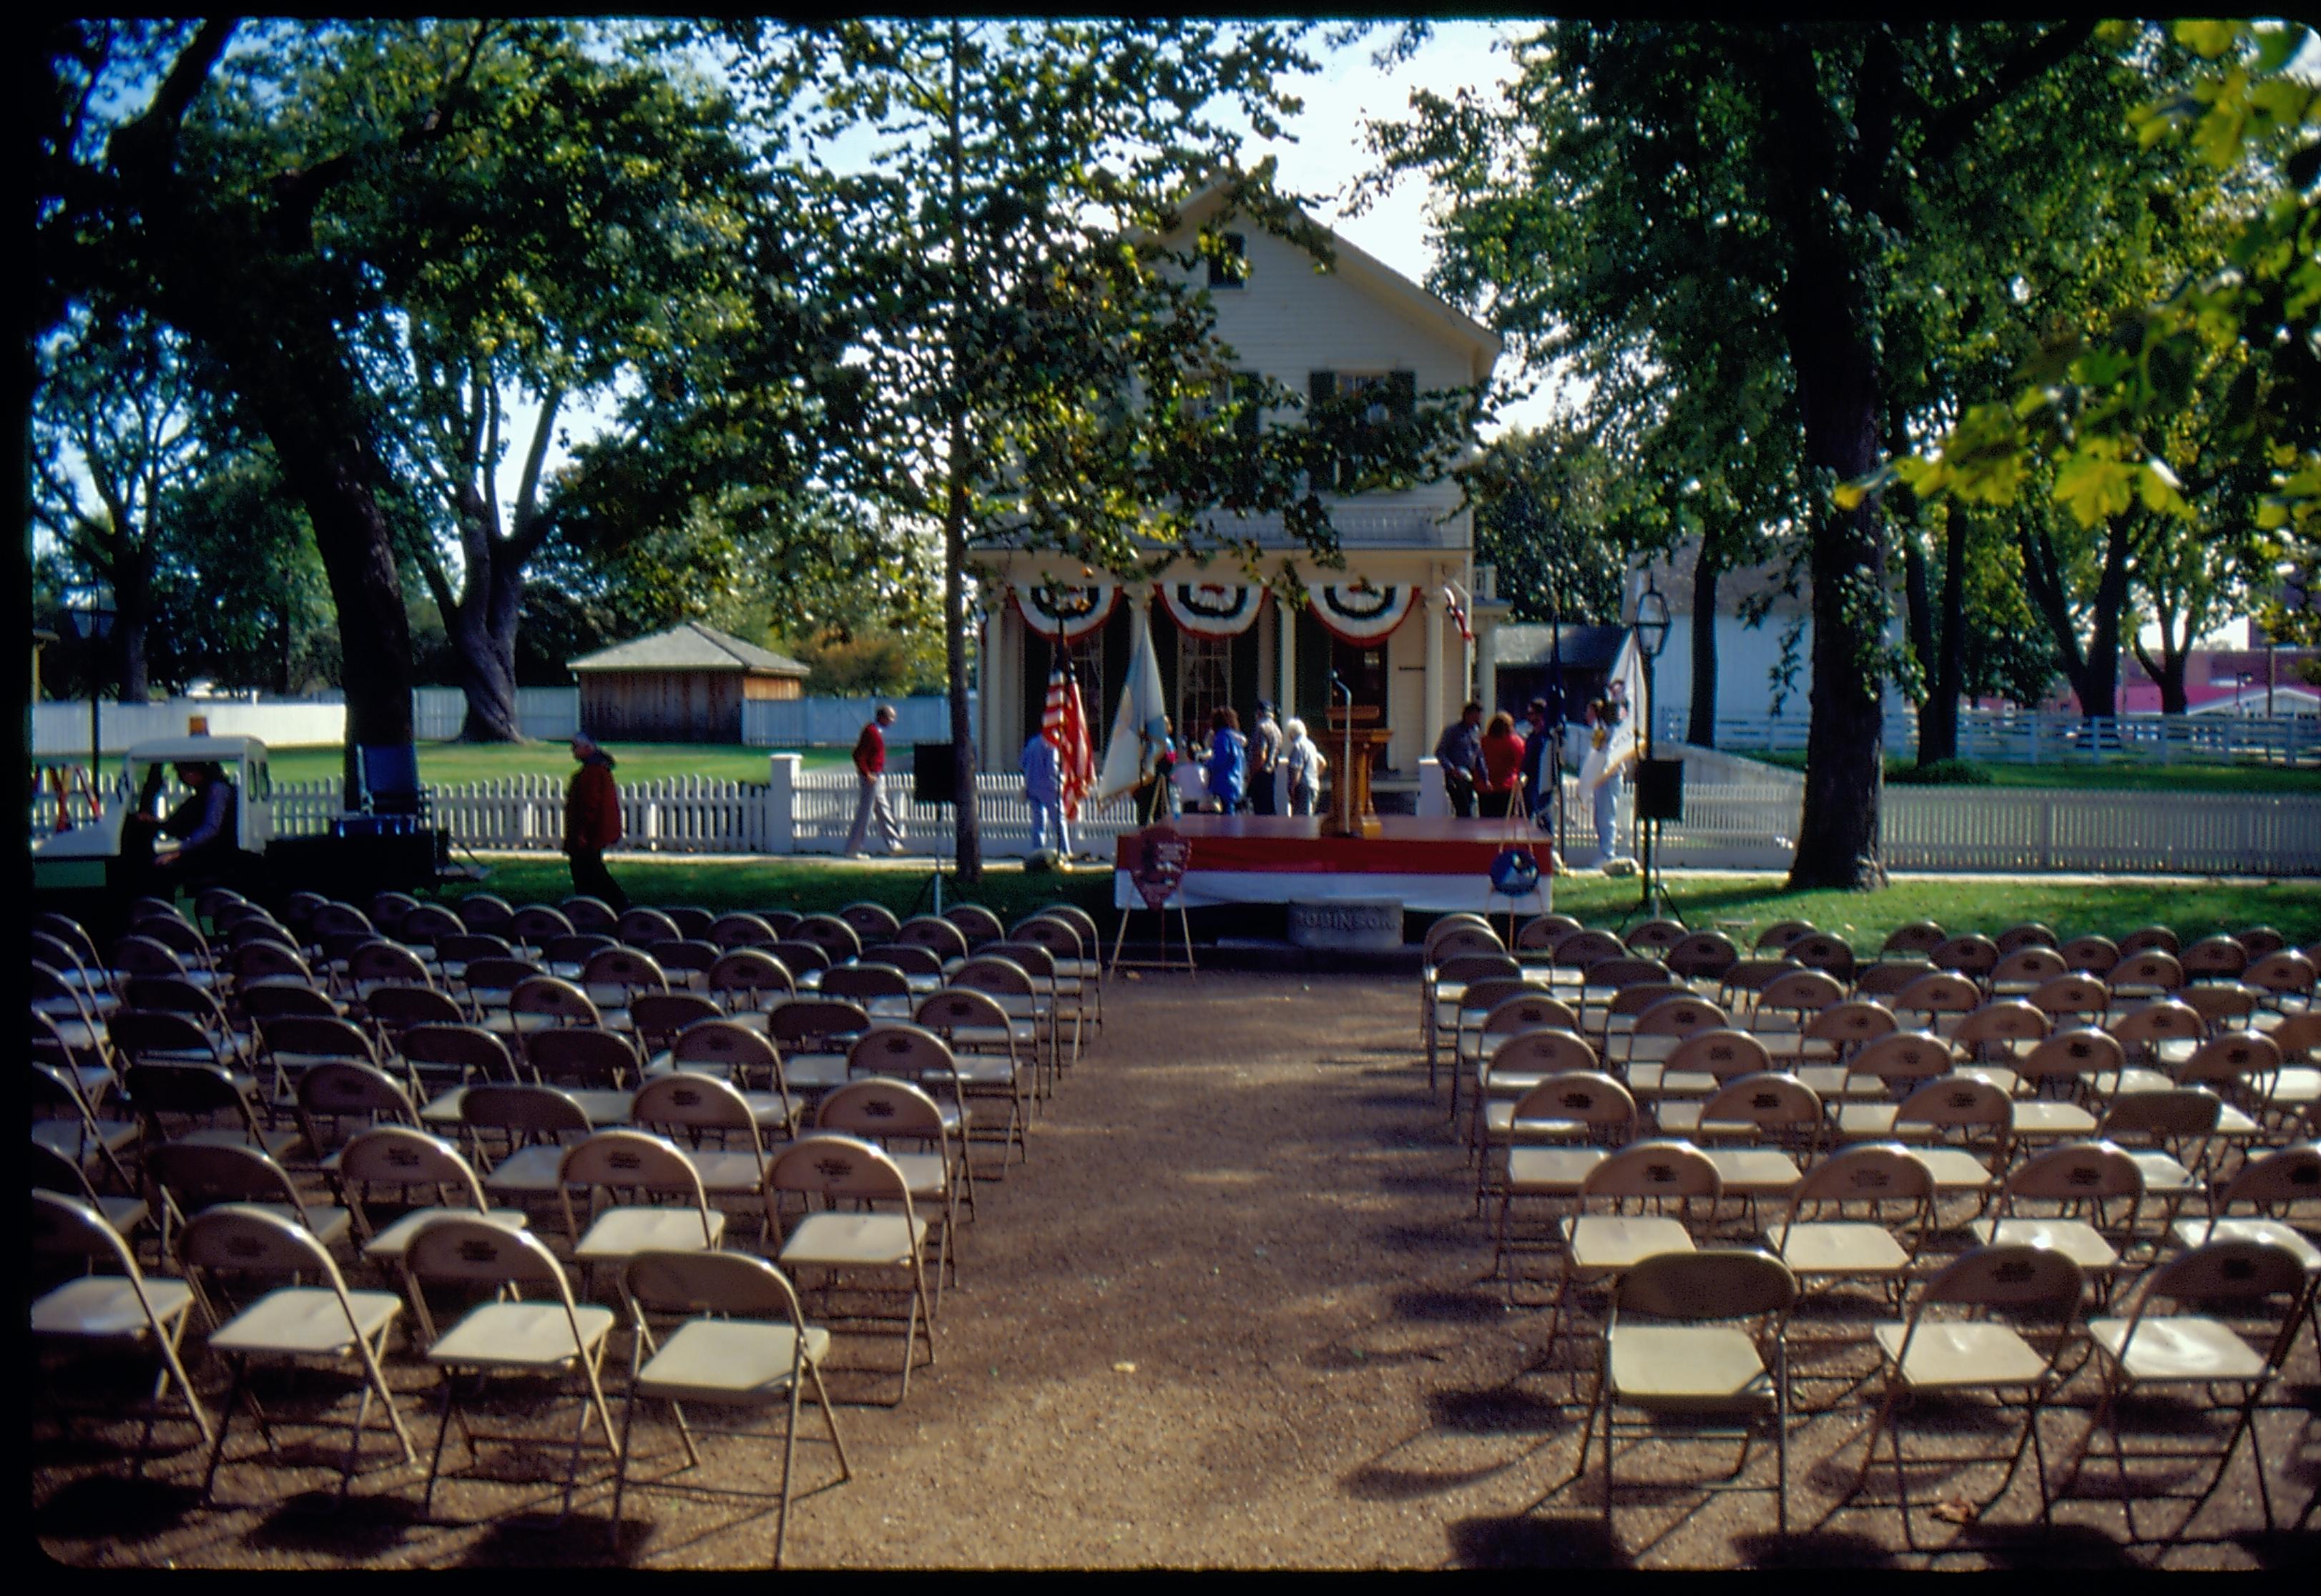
(1401, 394)
(1244, 392)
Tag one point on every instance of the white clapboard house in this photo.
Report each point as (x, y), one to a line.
(1384, 623)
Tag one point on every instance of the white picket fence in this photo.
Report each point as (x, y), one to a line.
(2010, 738)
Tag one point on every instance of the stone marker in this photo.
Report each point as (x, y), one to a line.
(1347, 925)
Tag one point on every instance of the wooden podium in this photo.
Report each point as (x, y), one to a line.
(1352, 813)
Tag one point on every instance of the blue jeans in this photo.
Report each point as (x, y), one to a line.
(1607, 801)
(1048, 817)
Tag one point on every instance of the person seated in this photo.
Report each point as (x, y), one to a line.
(205, 826)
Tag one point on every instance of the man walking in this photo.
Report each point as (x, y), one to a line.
(592, 823)
(871, 802)
(1264, 750)
(1460, 753)
(1043, 789)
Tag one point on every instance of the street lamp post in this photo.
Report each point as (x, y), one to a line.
(1652, 629)
(90, 610)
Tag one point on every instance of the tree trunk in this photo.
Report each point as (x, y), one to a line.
(969, 828)
(1705, 569)
(483, 628)
(2100, 696)
(1938, 721)
(132, 624)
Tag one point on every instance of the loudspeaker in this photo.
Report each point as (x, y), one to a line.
(935, 773)
(1659, 789)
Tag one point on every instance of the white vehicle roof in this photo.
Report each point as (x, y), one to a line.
(195, 750)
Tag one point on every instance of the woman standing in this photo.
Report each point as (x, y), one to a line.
(1502, 765)
(1228, 760)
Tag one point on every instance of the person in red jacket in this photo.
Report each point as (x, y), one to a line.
(592, 823)
(1502, 763)
(870, 802)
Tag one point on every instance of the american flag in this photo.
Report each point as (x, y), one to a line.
(1458, 614)
(1064, 724)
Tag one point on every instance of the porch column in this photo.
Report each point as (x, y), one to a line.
(987, 702)
(1435, 719)
(1285, 631)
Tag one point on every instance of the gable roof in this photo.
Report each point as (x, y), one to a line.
(690, 647)
(1359, 266)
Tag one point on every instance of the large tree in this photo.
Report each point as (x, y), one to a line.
(993, 200)
(1771, 176)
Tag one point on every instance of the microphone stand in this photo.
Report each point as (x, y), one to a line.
(1345, 771)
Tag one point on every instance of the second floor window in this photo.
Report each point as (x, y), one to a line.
(1366, 405)
(1233, 270)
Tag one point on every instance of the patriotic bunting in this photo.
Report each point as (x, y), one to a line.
(1359, 615)
(1212, 609)
(1070, 612)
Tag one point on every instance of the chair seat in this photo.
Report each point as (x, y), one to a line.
(838, 1240)
(2199, 1232)
(2119, 1084)
(732, 1361)
(623, 1232)
(1500, 1121)
(275, 1144)
(1754, 1171)
(530, 1172)
(1551, 1172)
(306, 1320)
(1946, 1356)
(925, 1174)
(1830, 1080)
(531, 1336)
(2180, 1347)
(1995, 1074)
(70, 1139)
(104, 1307)
(2291, 1086)
(124, 1214)
(329, 1226)
(2162, 1174)
(815, 1072)
(1842, 1246)
(727, 1174)
(387, 1247)
(1617, 1241)
(2076, 1239)
(2039, 1117)
(1691, 1367)
(1955, 1169)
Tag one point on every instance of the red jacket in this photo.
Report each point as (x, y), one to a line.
(592, 810)
(1502, 758)
(871, 751)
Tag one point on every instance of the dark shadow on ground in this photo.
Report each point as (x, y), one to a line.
(2037, 1546)
(1812, 1548)
(1497, 1410)
(1532, 1542)
(100, 1507)
(357, 1526)
(531, 1540)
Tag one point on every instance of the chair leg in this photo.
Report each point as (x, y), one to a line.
(442, 1434)
(225, 1422)
(789, 1454)
(621, 1464)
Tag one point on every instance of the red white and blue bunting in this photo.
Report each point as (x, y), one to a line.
(1359, 615)
(1076, 611)
(1212, 609)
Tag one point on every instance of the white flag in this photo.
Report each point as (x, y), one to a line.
(1609, 749)
(1140, 726)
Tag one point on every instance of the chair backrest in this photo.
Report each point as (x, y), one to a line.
(845, 1167)
(197, 1174)
(2231, 1058)
(1459, 968)
(1800, 990)
(1822, 951)
(639, 926)
(864, 982)
(501, 975)
(259, 928)
(577, 947)
(875, 1107)
(1720, 1051)
(1943, 991)
(729, 1044)
(692, 921)
(1906, 1056)
(1870, 1171)
(741, 929)
(1584, 949)
(396, 1009)
(2298, 1036)
(2152, 1116)
(1078, 919)
(1971, 954)
(1660, 1169)
(1626, 970)
(553, 998)
(240, 1239)
(581, 1056)
(2151, 937)
(1539, 934)
(1782, 932)
(659, 1016)
(835, 937)
(720, 1284)
(271, 1001)
(689, 957)
(261, 959)
(1703, 954)
(140, 955)
(2028, 967)
(2275, 1180)
(1480, 997)
(2222, 1001)
(870, 920)
(903, 1052)
(2152, 969)
(2091, 955)
(816, 1024)
(457, 1047)
(2007, 1275)
(333, 919)
(139, 1034)
(1654, 938)
(743, 976)
(387, 909)
(2001, 1019)
(624, 1160)
(2083, 1050)
(1957, 1102)
(1003, 976)
(1527, 1010)
(2259, 941)
(931, 931)
(690, 1101)
(2213, 957)
(189, 944)
(400, 1156)
(1919, 935)
(487, 913)
(465, 1248)
(1444, 925)
(2284, 971)
(2076, 1172)
(978, 923)
(623, 971)
(65, 1226)
(2162, 1019)
(803, 958)
(536, 925)
(522, 1110)
(2027, 933)
(958, 1008)
(590, 914)
(2229, 1271)
(783, 921)
(1767, 1099)
(1034, 960)
(1679, 1016)
(1711, 1284)
(910, 958)
(317, 1036)
(1547, 1051)
(1853, 1023)
(1889, 975)
(426, 925)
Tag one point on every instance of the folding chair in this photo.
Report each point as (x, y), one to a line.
(978, 924)
(1893, 1192)
(2279, 1185)
(690, 1110)
(812, 1035)
(52, 1171)
(744, 1344)
(2091, 955)
(730, 932)
(614, 977)
(336, 1092)
(1675, 1347)
(381, 963)
(532, 927)
(598, 1069)
(2028, 933)
(841, 942)
(1972, 956)
(843, 1168)
(1078, 965)
(730, 1051)
(532, 1126)
(1448, 989)
(2146, 1348)
(1662, 1026)
(1778, 1119)
(1652, 1174)
(2214, 958)
(1517, 1069)
(566, 957)
(295, 1325)
(870, 920)
(882, 990)
(410, 1162)
(191, 1175)
(590, 916)
(2071, 1181)
(656, 1019)
(805, 961)
(642, 1165)
(880, 1110)
(987, 1044)
(1926, 1354)
(1919, 937)
(2021, 972)
(1777, 936)
(685, 964)
(750, 981)
(937, 935)
(1521, 1008)
(196, 1097)
(640, 927)
(1702, 957)
(558, 1336)
(125, 1307)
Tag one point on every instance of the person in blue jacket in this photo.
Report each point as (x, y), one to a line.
(1228, 761)
(1043, 788)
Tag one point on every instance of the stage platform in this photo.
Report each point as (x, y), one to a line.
(1429, 864)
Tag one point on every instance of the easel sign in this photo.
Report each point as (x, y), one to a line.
(1163, 855)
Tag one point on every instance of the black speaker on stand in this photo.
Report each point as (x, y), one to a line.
(934, 779)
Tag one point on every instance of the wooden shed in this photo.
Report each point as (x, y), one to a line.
(685, 685)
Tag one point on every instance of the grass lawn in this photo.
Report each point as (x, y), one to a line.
(449, 763)
(2134, 775)
(1740, 906)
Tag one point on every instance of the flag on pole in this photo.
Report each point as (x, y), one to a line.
(1063, 722)
(1611, 747)
(1140, 726)
(1458, 614)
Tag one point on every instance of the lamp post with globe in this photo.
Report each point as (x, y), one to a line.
(89, 609)
(1654, 790)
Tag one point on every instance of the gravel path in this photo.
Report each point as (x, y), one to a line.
(1228, 1314)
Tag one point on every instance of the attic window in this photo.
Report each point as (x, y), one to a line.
(1230, 271)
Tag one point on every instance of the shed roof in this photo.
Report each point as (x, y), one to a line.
(1585, 647)
(690, 647)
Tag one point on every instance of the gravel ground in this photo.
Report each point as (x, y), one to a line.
(1231, 1313)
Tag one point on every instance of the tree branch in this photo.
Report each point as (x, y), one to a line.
(1951, 128)
(531, 528)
